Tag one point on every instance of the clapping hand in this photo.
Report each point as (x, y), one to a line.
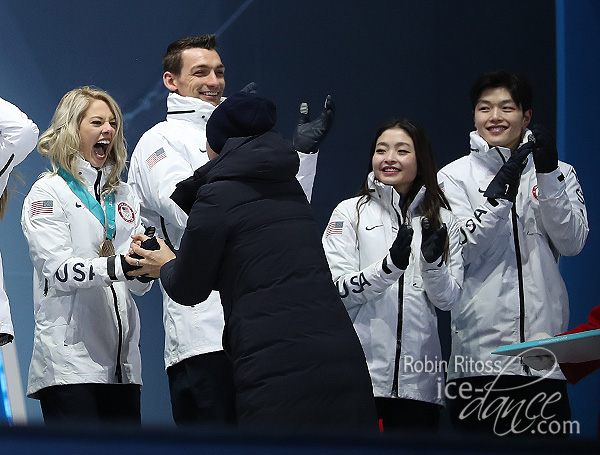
(545, 155)
(433, 242)
(309, 134)
(400, 250)
(505, 185)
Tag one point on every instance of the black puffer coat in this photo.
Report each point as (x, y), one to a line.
(251, 235)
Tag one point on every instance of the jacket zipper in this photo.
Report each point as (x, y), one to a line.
(521, 286)
(97, 186)
(118, 370)
(398, 336)
(399, 326)
(519, 260)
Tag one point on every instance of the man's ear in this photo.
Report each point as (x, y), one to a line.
(169, 81)
(526, 118)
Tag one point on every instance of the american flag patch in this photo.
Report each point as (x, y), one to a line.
(42, 207)
(155, 157)
(335, 227)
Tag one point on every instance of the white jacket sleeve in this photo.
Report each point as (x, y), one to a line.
(155, 169)
(50, 242)
(443, 282)
(307, 172)
(480, 224)
(135, 286)
(18, 138)
(563, 211)
(356, 286)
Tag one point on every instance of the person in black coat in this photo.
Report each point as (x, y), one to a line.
(252, 236)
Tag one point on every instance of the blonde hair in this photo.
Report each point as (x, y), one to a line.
(61, 141)
(3, 203)
(7, 192)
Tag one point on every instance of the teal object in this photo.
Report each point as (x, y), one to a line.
(108, 220)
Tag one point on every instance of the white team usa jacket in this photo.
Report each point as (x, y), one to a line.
(513, 288)
(166, 154)
(87, 325)
(356, 246)
(18, 136)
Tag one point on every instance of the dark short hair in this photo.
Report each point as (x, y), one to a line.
(172, 61)
(517, 86)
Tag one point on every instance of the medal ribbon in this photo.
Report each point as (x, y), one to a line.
(108, 220)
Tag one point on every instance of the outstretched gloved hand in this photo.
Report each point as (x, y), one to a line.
(545, 155)
(400, 249)
(309, 134)
(505, 184)
(433, 242)
(251, 88)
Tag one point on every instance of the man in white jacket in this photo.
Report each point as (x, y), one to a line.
(519, 216)
(200, 374)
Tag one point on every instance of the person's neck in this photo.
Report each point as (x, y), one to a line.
(516, 146)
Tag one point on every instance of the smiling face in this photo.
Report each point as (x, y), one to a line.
(499, 120)
(96, 132)
(202, 75)
(394, 159)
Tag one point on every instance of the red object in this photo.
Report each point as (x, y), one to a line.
(574, 372)
(577, 371)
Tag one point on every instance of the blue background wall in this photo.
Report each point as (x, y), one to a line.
(578, 114)
(388, 58)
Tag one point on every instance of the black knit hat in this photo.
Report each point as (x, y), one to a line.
(240, 115)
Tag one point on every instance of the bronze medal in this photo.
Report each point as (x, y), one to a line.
(106, 248)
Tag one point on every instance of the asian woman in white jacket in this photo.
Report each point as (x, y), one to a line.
(394, 253)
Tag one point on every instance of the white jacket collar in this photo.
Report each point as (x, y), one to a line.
(89, 174)
(493, 157)
(387, 194)
(188, 108)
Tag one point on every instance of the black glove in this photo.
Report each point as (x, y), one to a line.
(309, 135)
(433, 242)
(545, 155)
(400, 250)
(5, 338)
(148, 244)
(127, 267)
(251, 88)
(505, 184)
